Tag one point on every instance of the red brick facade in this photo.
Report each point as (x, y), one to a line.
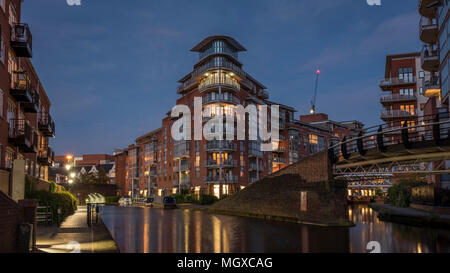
(25, 122)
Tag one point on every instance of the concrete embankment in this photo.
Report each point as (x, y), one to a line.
(410, 216)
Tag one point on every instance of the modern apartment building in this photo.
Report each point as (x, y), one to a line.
(434, 32)
(156, 164)
(403, 97)
(25, 121)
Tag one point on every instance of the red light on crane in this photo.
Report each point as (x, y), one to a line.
(318, 71)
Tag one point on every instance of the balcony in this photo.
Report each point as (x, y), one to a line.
(255, 90)
(389, 99)
(388, 83)
(213, 146)
(428, 30)
(213, 83)
(181, 149)
(183, 167)
(46, 157)
(47, 126)
(279, 150)
(20, 134)
(33, 106)
(229, 100)
(279, 160)
(391, 114)
(21, 87)
(185, 180)
(211, 163)
(21, 40)
(427, 8)
(430, 59)
(252, 167)
(226, 179)
(432, 87)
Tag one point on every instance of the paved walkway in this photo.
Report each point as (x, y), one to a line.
(75, 236)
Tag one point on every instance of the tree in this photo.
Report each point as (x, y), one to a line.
(102, 177)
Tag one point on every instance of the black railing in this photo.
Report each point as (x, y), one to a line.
(47, 125)
(430, 128)
(22, 40)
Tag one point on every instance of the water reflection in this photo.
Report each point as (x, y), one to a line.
(182, 231)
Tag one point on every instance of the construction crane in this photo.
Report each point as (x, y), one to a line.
(313, 102)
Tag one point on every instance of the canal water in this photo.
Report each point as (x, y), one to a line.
(148, 230)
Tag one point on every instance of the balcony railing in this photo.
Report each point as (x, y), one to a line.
(397, 114)
(279, 160)
(228, 99)
(253, 166)
(33, 106)
(217, 65)
(181, 149)
(21, 87)
(220, 146)
(181, 168)
(256, 90)
(225, 179)
(47, 125)
(431, 86)
(20, 133)
(21, 40)
(46, 156)
(387, 83)
(430, 58)
(211, 163)
(428, 30)
(396, 97)
(185, 180)
(223, 50)
(212, 82)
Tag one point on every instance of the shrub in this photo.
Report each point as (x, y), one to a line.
(53, 187)
(400, 195)
(56, 200)
(112, 199)
(206, 200)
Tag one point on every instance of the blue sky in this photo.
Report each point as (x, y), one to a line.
(110, 67)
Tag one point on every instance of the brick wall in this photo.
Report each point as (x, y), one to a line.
(11, 215)
(279, 195)
(313, 118)
(315, 168)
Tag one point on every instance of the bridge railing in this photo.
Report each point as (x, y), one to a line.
(429, 128)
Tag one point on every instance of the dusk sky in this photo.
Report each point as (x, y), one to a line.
(111, 67)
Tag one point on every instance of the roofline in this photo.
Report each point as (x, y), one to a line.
(391, 57)
(209, 39)
(148, 134)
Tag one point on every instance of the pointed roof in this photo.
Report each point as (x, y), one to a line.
(209, 39)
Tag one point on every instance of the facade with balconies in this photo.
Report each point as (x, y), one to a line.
(218, 163)
(403, 89)
(25, 103)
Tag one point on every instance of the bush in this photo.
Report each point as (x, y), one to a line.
(112, 199)
(53, 187)
(56, 200)
(206, 200)
(400, 195)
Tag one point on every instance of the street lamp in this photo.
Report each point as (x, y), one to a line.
(72, 175)
(68, 167)
(70, 181)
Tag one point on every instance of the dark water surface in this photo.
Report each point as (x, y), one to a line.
(147, 230)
